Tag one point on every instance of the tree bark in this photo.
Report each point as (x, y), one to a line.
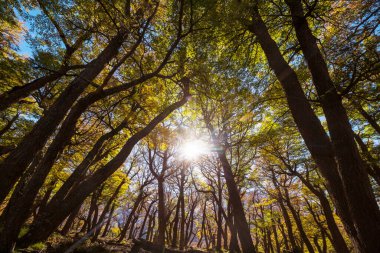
(182, 201)
(108, 224)
(43, 226)
(367, 116)
(237, 206)
(107, 207)
(144, 221)
(298, 221)
(70, 220)
(178, 210)
(372, 163)
(315, 137)
(338, 241)
(161, 215)
(17, 161)
(362, 204)
(219, 216)
(139, 199)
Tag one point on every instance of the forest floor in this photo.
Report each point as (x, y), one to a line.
(82, 245)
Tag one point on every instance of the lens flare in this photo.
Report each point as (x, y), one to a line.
(192, 150)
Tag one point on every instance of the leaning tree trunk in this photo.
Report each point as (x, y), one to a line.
(311, 129)
(298, 222)
(237, 206)
(70, 220)
(361, 201)
(141, 233)
(55, 213)
(106, 209)
(17, 161)
(338, 241)
(18, 92)
(139, 199)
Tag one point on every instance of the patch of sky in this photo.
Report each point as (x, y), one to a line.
(24, 48)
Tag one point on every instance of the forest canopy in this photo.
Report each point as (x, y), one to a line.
(190, 126)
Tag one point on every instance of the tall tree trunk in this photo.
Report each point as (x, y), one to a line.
(284, 236)
(161, 215)
(145, 219)
(151, 225)
(362, 204)
(202, 225)
(367, 116)
(237, 206)
(87, 226)
(338, 241)
(50, 187)
(372, 163)
(234, 244)
(285, 215)
(57, 212)
(108, 224)
(127, 224)
(175, 224)
(298, 221)
(277, 242)
(17, 161)
(219, 216)
(182, 204)
(225, 236)
(178, 210)
(70, 220)
(311, 129)
(106, 208)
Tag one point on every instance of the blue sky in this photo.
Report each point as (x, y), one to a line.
(24, 47)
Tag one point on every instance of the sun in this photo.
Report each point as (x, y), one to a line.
(193, 149)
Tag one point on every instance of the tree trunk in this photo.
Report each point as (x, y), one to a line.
(277, 242)
(145, 219)
(17, 161)
(219, 216)
(161, 215)
(106, 208)
(108, 224)
(70, 220)
(307, 122)
(338, 241)
(298, 221)
(182, 204)
(136, 204)
(50, 187)
(286, 217)
(237, 206)
(372, 163)
(361, 201)
(202, 225)
(177, 213)
(368, 117)
(175, 224)
(43, 226)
